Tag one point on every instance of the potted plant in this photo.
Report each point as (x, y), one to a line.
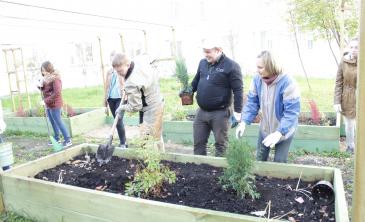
(181, 72)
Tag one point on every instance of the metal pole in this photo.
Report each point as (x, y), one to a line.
(145, 41)
(173, 43)
(103, 73)
(122, 42)
(25, 80)
(358, 201)
(17, 80)
(342, 26)
(8, 71)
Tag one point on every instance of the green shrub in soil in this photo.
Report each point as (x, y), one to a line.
(239, 174)
(150, 174)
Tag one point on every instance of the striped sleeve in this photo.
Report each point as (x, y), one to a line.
(291, 105)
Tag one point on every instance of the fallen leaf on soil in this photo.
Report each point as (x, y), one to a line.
(101, 187)
(299, 200)
(259, 213)
(323, 209)
(76, 162)
(288, 187)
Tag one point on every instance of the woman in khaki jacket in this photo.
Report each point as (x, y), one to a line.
(114, 87)
(345, 92)
(143, 91)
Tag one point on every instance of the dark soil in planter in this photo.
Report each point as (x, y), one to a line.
(327, 121)
(196, 186)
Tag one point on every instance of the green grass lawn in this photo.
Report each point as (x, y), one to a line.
(13, 217)
(322, 93)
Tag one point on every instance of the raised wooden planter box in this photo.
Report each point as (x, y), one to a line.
(308, 137)
(90, 118)
(49, 201)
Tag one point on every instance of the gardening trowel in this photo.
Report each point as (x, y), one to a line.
(105, 152)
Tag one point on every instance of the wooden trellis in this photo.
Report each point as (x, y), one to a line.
(14, 62)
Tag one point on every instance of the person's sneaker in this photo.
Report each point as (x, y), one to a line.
(350, 149)
(50, 142)
(123, 146)
(67, 144)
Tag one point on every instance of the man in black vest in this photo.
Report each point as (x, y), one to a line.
(217, 77)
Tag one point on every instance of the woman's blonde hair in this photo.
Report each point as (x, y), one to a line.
(270, 65)
(120, 59)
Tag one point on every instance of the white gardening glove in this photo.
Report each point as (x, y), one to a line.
(2, 126)
(337, 108)
(272, 139)
(240, 129)
(237, 116)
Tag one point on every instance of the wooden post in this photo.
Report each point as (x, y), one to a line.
(122, 42)
(173, 43)
(17, 80)
(358, 201)
(25, 80)
(8, 71)
(103, 73)
(145, 41)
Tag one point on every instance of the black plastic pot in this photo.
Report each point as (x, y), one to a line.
(323, 193)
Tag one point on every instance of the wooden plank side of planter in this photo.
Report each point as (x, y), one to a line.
(87, 121)
(341, 211)
(29, 124)
(303, 132)
(46, 213)
(310, 138)
(92, 118)
(70, 202)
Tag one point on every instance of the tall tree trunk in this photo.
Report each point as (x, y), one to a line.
(298, 49)
(329, 44)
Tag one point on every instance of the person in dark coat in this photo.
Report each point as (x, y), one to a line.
(217, 78)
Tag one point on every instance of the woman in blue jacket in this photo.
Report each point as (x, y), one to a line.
(277, 96)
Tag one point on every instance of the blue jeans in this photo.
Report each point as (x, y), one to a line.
(54, 116)
(4, 167)
(113, 105)
(281, 150)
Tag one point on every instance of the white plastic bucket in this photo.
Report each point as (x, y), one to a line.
(6, 154)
